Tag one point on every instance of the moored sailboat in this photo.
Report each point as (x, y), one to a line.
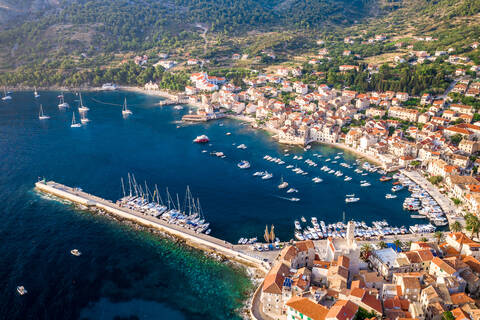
(74, 123)
(41, 115)
(125, 110)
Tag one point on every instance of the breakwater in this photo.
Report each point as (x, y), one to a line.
(199, 241)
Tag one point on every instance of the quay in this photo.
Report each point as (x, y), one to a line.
(197, 240)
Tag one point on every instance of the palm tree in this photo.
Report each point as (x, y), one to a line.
(438, 235)
(397, 244)
(456, 227)
(366, 251)
(382, 245)
(472, 224)
(407, 245)
(423, 239)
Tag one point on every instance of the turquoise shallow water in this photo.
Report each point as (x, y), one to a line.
(120, 268)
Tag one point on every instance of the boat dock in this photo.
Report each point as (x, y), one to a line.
(198, 240)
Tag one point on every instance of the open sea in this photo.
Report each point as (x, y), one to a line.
(125, 273)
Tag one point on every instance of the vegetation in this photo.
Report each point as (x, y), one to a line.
(456, 201)
(438, 236)
(435, 179)
(363, 314)
(382, 245)
(472, 224)
(456, 227)
(366, 251)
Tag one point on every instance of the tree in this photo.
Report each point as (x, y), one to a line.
(456, 227)
(438, 235)
(423, 239)
(448, 315)
(365, 251)
(456, 138)
(382, 244)
(472, 224)
(435, 179)
(398, 244)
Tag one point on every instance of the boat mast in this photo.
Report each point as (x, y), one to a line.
(272, 234)
(130, 184)
(266, 235)
(178, 203)
(123, 187)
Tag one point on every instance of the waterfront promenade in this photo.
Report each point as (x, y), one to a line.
(201, 241)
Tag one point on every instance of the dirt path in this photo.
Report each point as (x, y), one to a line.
(203, 35)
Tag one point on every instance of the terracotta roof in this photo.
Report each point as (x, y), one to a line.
(342, 310)
(308, 308)
(443, 265)
(273, 282)
(473, 263)
(461, 299)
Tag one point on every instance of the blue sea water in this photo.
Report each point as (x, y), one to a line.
(122, 269)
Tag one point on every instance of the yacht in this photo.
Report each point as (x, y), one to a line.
(41, 115)
(267, 175)
(35, 93)
(6, 95)
(125, 110)
(317, 180)
(201, 139)
(291, 190)
(84, 119)
(347, 178)
(350, 200)
(258, 173)
(21, 290)
(299, 236)
(62, 103)
(75, 252)
(283, 184)
(365, 184)
(74, 123)
(297, 225)
(82, 108)
(244, 164)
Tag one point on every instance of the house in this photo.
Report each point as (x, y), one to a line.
(463, 244)
(342, 310)
(303, 308)
(403, 113)
(272, 289)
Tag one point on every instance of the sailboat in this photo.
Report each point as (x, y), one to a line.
(41, 115)
(62, 103)
(125, 110)
(82, 108)
(83, 118)
(6, 96)
(35, 93)
(75, 124)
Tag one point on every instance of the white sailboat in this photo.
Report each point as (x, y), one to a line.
(82, 108)
(41, 115)
(62, 103)
(6, 96)
(125, 110)
(84, 119)
(74, 123)
(35, 93)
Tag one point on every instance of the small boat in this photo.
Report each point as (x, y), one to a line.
(109, 86)
(397, 187)
(62, 103)
(417, 216)
(317, 180)
(178, 107)
(291, 190)
(347, 178)
(201, 139)
(74, 123)
(82, 108)
(6, 95)
(365, 184)
(244, 164)
(350, 195)
(41, 115)
(125, 110)
(385, 178)
(35, 93)
(390, 196)
(75, 252)
(258, 173)
(21, 290)
(294, 199)
(297, 225)
(242, 146)
(228, 133)
(350, 200)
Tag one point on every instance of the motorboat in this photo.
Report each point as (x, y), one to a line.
(244, 164)
(75, 252)
(21, 290)
(201, 139)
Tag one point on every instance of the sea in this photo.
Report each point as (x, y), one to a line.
(124, 273)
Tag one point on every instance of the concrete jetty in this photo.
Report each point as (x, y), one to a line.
(198, 240)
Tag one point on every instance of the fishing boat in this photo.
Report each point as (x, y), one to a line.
(74, 123)
(283, 184)
(75, 252)
(6, 95)
(84, 119)
(62, 103)
(21, 290)
(82, 108)
(35, 93)
(125, 110)
(201, 139)
(41, 115)
(244, 164)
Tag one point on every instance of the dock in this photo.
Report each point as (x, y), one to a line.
(197, 240)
